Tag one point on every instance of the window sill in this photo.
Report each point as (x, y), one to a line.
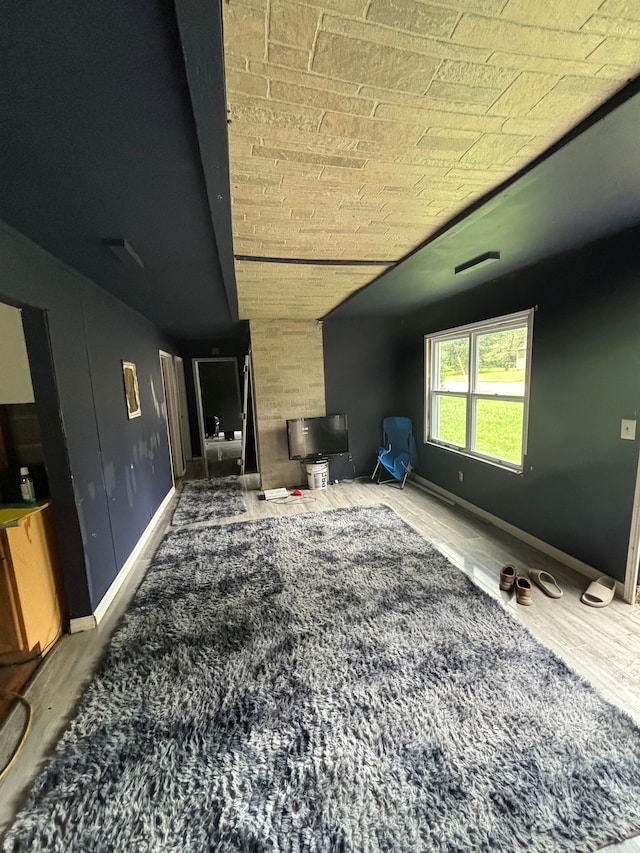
(478, 457)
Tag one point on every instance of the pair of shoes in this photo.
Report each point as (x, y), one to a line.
(510, 580)
(546, 582)
(600, 592)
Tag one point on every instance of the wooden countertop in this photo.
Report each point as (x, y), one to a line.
(11, 516)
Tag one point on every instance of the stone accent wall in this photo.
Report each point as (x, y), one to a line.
(288, 372)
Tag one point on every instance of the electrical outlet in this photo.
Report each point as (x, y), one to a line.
(628, 429)
(460, 477)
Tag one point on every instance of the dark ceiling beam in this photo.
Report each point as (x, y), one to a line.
(314, 262)
(200, 25)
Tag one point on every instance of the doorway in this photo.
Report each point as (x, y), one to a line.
(33, 568)
(220, 414)
(184, 409)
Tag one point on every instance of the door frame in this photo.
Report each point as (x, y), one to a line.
(196, 380)
(76, 597)
(633, 553)
(172, 407)
(245, 395)
(184, 409)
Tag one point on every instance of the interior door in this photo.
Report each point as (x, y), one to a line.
(12, 635)
(217, 398)
(173, 414)
(184, 409)
(245, 398)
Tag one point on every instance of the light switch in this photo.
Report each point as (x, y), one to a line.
(628, 429)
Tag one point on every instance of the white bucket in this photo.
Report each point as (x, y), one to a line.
(317, 474)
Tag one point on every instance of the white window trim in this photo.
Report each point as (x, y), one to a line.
(494, 325)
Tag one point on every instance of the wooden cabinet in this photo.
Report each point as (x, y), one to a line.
(30, 590)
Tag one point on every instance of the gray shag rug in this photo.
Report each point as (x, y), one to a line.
(206, 500)
(330, 682)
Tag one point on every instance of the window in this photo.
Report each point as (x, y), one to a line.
(477, 395)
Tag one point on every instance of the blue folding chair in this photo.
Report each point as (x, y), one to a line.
(398, 456)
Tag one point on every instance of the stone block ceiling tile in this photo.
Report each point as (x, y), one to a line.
(475, 74)
(536, 41)
(438, 118)
(612, 27)
(456, 93)
(247, 84)
(293, 24)
(422, 45)
(523, 94)
(448, 140)
(372, 64)
(615, 49)
(550, 13)
(289, 57)
(245, 31)
(360, 127)
(622, 73)
(270, 114)
(321, 98)
(414, 17)
(489, 7)
(307, 157)
(375, 129)
(543, 64)
(352, 8)
(620, 9)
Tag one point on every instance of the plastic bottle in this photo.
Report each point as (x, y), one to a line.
(26, 487)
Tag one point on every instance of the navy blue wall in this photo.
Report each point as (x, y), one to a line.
(120, 468)
(136, 465)
(576, 491)
(361, 381)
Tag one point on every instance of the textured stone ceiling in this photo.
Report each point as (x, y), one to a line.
(359, 127)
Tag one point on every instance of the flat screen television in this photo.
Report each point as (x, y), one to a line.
(317, 438)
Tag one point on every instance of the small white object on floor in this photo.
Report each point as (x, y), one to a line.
(275, 494)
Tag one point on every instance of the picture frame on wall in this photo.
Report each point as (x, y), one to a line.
(131, 389)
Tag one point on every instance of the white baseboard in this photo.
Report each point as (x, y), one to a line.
(550, 550)
(86, 623)
(82, 623)
(122, 575)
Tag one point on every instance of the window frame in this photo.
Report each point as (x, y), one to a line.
(472, 331)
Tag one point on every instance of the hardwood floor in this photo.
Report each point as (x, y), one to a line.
(600, 644)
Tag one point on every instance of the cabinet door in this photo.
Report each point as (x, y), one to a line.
(12, 636)
(36, 578)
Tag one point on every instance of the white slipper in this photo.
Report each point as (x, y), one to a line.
(546, 582)
(600, 592)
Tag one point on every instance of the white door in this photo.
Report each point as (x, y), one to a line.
(184, 409)
(173, 413)
(245, 397)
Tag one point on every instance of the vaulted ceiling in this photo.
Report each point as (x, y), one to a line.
(359, 128)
